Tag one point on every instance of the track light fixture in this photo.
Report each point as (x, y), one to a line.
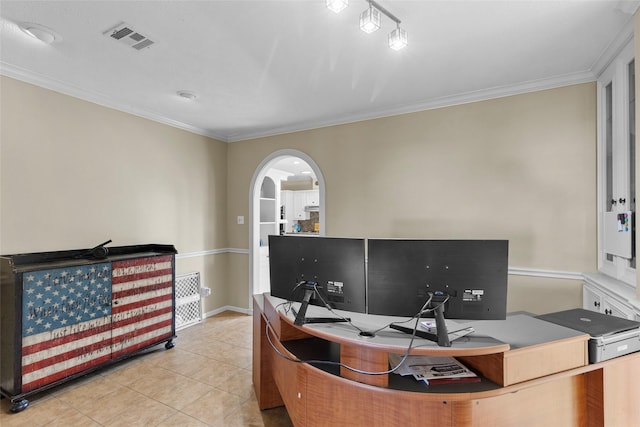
(337, 5)
(370, 21)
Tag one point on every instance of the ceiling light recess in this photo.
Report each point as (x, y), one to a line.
(40, 32)
(187, 95)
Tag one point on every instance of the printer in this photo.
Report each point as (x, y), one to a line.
(611, 336)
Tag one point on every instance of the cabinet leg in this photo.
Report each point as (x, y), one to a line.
(169, 344)
(18, 406)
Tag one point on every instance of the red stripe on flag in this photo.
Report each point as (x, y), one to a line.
(34, 348)
(147, 343)
(142, 289)
(63, 373)
(142, 261)
(142, 303)
(140, 268)
(76, 352)
(140, 317)
(117, 280)
(123, 339)
(128, 336)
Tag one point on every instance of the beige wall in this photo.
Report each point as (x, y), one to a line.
(74, 174)
(521, 168)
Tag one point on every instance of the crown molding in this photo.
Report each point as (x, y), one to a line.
(613, 50)
(628, 6)
(463, 98)
(65, 88)
(448, 101)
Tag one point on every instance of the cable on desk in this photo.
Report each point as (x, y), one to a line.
(350, 368)
(330, 362)
(423, 310)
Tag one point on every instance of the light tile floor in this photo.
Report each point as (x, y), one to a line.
(205, 380)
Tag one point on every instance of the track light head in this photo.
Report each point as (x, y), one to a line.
(398, 38)
(337, 5)
(370, 20)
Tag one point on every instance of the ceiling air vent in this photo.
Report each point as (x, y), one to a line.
(125, 33)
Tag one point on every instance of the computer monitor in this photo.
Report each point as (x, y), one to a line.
(334, 266)
(470, 274)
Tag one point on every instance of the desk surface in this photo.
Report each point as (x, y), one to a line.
(542, 379)
(491, 336)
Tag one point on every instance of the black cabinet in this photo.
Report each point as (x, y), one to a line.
(66, 313)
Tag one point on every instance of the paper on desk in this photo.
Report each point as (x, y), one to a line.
(431, 369)
(455, 330)
(429, 325)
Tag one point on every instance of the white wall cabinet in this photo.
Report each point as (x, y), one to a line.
(612, 290)
(313, 197)
(616, 167)
(606, 295)
(286, 199)
(296, 201)
(299, 202)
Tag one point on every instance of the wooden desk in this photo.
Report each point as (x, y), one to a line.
(538, 380)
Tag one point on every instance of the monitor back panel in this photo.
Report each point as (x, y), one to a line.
(402, 273)
(337, 265)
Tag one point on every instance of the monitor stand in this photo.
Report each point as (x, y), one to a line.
(441, 327)
(301, 318)
(442, 334)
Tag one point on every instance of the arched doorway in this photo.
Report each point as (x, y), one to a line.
(265, 210)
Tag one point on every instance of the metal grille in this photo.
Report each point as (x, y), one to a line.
(188, 300)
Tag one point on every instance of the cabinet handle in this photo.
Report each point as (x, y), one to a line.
(596, 304)
(622, 201)
(614, 202)
(607, 311)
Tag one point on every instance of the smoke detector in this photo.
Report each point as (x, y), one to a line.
(126, 34)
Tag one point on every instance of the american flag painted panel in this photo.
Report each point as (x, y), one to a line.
(65, 322)
(142, 313)
(82, 316)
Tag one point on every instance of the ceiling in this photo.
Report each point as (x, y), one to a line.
(294, 166)
(267, 67)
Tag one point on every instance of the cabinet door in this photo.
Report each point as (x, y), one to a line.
(286, 198)
(617, 164)
(596, 300)
(313, 198)
(142, 312)
(66, 322)
(591, 299)
(299, 202)
(615, 308)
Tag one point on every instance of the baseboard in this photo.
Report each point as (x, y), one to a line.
(228, 308)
